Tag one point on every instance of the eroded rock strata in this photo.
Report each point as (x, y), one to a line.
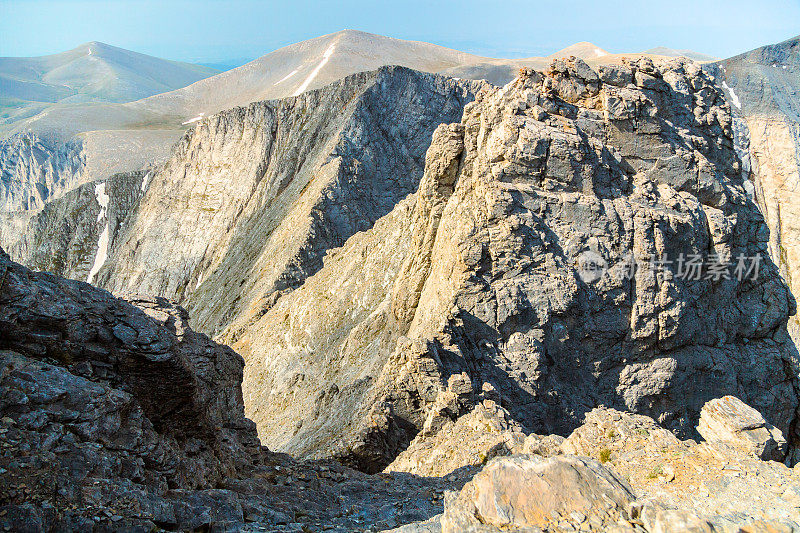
(479, 273)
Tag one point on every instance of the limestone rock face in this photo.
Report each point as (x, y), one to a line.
(487, 276)
(731, 421)
(762, 87)
(253, 198)
(71, 235)
(518, 492)
(32, 170)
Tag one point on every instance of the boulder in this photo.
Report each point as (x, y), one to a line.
(527, 491)
(730, 420)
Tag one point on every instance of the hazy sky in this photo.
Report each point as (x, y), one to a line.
(194, 30)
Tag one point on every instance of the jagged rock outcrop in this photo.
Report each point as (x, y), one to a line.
(32, 170)
(735, 423)
(85, 402)
(252, 198)
(117, 416)
(707, 481)
(73, 235)
(448, 442)
(623, 472)
(483, 272)
(763, 88)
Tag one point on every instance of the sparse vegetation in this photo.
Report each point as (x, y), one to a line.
(655, 472)
(605, 455)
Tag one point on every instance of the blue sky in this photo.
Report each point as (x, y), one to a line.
(220, 30)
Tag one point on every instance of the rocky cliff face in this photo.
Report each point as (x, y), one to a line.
(763, 88)
(483, 272)
(82, 381)
(253, 198)
(72, 236)
(33, 169)
(117, 416)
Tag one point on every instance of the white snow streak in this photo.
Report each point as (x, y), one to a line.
(599, 53)
(292, 73)
(102, 242)
(734, 98)
(327, 55)
(195, 119)
(145, 181)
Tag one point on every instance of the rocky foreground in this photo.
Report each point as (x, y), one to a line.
(117, 416)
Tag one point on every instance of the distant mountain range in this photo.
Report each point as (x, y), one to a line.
(103, 74)
(98, 109)
(670, 52)
(92, 72)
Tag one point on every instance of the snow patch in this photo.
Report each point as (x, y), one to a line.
(145, 182)
(102, 242)
(734, 98)
(292, 73)
(599, 53)
(327, 55)
(750, 189)
(192, 120)
(102, 199)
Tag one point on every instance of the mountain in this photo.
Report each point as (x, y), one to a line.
(129, 136)
(376, 290)
(584, 50)
(763, 89)
(475, 283)
(670, 52)
(92, 72)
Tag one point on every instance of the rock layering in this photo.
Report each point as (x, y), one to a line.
(117, 416)
(731, 421)
(763, 86)
(479, 273)
(252, 198)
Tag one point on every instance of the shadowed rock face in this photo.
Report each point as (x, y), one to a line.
(485, 277)
(763, 88)
(104, 397)
(62, 336)
(117, 416)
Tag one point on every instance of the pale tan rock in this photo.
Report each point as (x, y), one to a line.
(531, 492)
(733, 422)
(485, 432)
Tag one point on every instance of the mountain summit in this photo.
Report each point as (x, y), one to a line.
(91, 72)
